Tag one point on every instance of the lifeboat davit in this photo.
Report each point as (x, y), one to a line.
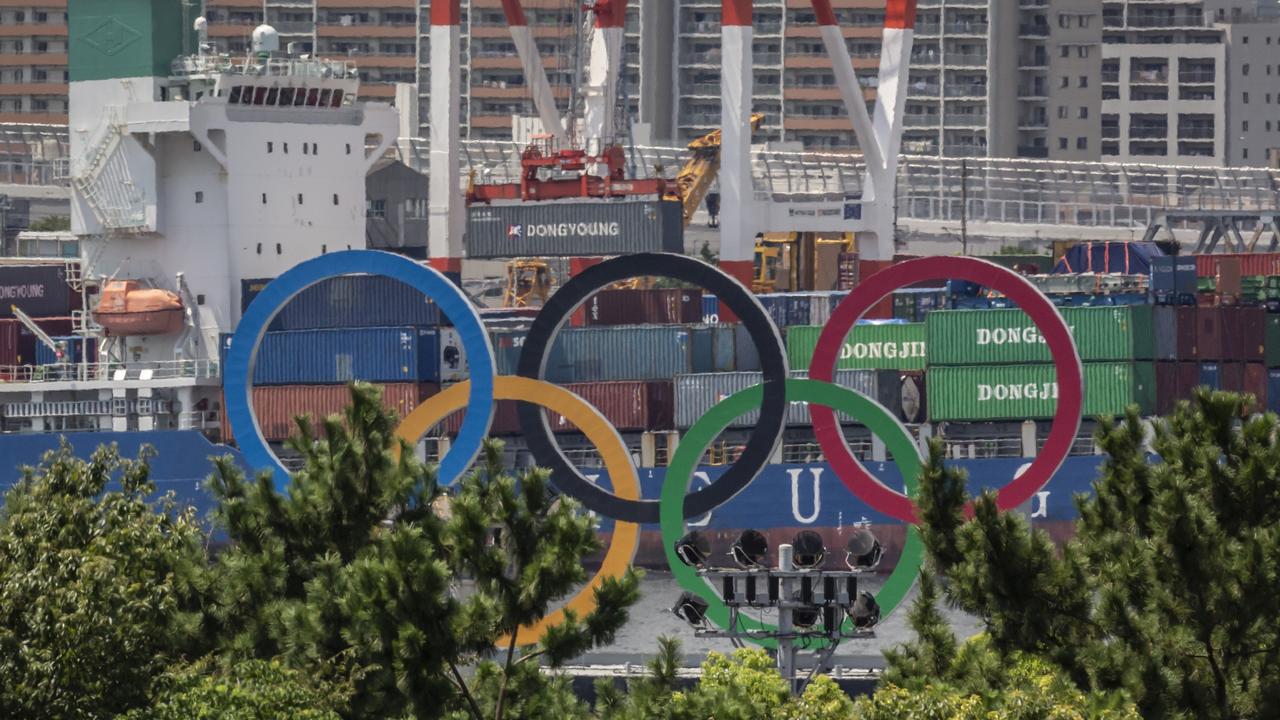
(125, 308)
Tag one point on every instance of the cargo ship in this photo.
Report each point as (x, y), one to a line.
(197, 178)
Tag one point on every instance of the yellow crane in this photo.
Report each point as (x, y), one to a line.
(698, 174)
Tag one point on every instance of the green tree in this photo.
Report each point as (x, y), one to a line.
(247, 690)
(1168, 590)
(97, 587)
(354, 562)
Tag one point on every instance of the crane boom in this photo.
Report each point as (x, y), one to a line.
(40, 334)
(699, 172)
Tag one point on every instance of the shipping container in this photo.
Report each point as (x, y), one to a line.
(696, 394)
(1255, 383)
(1211, 342)
(18, 344)
(640, 307)
(630, 406)
(890, 346)
(355, 301)
(710, 309)
(1186, 327)
(75, 350)
(507, 343)
(314, 357)
(1273, 390)
(903, 393)
(1232, 377)
(276, 406)
(574, 229)
(1164, 320)
(1166, 386)
(1188, 378)
(1246, 333)
(37, 290)
(1249, 263)
(1211, 375)
(977, 337)
(1271, 342)
(631, 352)
(1020, 392)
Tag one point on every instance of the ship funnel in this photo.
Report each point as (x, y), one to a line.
(265, 40)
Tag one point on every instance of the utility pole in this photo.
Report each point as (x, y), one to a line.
(786, 627)
(964, 206)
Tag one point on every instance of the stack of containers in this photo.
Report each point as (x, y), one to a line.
(41, 291)
(894, 351)
(988, 365)
(356, 327)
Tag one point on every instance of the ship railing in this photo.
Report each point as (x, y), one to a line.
(111, 371)
(199, 420)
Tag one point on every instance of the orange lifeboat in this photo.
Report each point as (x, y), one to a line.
(125, 308)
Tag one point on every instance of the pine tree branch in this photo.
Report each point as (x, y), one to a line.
(462, 686)
(506, 675)
(531, 656)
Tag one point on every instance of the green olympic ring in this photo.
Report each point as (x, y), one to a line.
(699, 437)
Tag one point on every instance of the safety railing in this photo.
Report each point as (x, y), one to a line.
(156, 370)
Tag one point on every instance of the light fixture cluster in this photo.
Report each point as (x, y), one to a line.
(811, 594)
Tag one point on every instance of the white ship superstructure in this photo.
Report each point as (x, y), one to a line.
(191, 173)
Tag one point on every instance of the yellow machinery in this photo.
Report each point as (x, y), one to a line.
(529, 283)
(798, 261)
(698, 174)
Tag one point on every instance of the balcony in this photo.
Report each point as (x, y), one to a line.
(1197, 76)
(966, 90)
(1149, 133)
(966, 119)
(919, 120)
(1149, 77)
(1111, 132)
(1175, 20)
(1195, 132)
(1033, 123)
(927, 28)
(1038, 61)
(1035, 92)
(967, 28)
(964, 60)
(1033, 151)
(1035, 30)
(923, 89)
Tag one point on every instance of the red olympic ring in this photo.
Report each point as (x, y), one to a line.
(1062, 347)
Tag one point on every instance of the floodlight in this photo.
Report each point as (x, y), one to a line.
(865, 611)
(804, 617)
(862, 550)
(691, 608)
(808, 550)
(693, 549)
(750, 549)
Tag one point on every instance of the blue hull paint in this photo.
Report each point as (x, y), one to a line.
(789, 495)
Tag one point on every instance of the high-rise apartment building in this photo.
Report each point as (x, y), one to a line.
(1252, 89)
(33, 61)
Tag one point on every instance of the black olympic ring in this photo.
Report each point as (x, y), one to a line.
(764, 437)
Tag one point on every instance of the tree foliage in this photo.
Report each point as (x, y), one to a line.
(1167, 592)
(247, 690)
(96, 587)
(353, 563)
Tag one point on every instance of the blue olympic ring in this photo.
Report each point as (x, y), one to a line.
(238, 375)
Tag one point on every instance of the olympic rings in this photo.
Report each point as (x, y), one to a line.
(695, 442)
(1062, 347)
(617, 460)
(764, 437)
(238, 375)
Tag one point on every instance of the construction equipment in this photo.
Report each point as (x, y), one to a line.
(799, 261)
(548, 172)
(698, 174)
(529, 283)
(59, 349)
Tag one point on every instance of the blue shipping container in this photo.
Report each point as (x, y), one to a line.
(318, 357)
(357, 301)
(1211, 375)
(621, 352)
(1273, 390)
(710, 309)
(74, 353)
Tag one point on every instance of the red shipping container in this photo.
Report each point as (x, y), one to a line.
(1166, 387)
(1186, 324)
(1255, 383)
(1250, 263)
(275, 406)
(1210, 335)
(1232, 377)
(1244, 331)
(18, 344)
(630, 406)
(657, 306)
(1188, 379)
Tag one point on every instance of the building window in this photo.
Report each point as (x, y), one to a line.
(1084, 112)
(1062, 143)
(1244, 153)
(1063, 20)
(376, 208)
(1244, 69)
(1066, 51)
(299, 198)
(1062, 112)
(1084, 81)
(1245, 98)
(264, 198)
(1083, 51)
(199, 196)
(1066, 81)
(335, 198)
(1244, 40)
(315, 149)
(284, 147)
(270, 146)
(304, 148)
(195, 146)
(1082, 143)
(1244, 126)
(348, 148)
(1268, 126)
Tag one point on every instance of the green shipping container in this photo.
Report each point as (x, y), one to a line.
(1007, 335)
(1271, 341)
(1030, 392)
(867, 347)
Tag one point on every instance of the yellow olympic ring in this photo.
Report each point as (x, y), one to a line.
(626, 484)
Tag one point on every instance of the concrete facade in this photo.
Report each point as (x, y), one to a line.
(1252, 91)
